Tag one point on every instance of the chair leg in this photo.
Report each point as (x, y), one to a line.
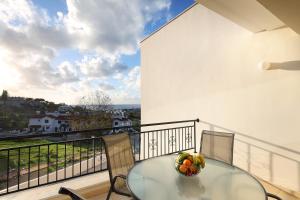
(273, 196)
(109, 193)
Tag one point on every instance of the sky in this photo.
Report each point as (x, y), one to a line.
(62, 50)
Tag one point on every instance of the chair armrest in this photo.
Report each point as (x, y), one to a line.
(116, 177)
(72, 193)
(120, 176)
(273, 196)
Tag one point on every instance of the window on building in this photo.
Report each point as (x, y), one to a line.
(59, 121)
(46, 121)
(116, 123)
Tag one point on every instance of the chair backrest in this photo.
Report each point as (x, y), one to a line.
(217, 145)
(119, 154)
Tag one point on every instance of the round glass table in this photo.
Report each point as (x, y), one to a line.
(156, 178)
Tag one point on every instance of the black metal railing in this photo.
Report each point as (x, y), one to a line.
(30, 166)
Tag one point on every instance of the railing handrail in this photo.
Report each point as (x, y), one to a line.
(252, 138)
(35, 135)
(49, 143)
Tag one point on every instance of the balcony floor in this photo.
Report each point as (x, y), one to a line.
(97, 186)
(94, 192)
(99, 192)
(279, 192)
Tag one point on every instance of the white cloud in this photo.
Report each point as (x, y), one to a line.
(102, 31)
(111, 26)
(129, 90)
(16, 13)
(134, 78)
(101, 67)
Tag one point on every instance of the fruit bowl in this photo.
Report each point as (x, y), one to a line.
(189, 165)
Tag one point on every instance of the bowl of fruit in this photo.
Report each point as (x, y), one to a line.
(189, 165)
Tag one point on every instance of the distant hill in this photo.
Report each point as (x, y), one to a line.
(126, 106)
(16, 111)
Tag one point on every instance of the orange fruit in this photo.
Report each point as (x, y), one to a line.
(183, 169)
(187, 163)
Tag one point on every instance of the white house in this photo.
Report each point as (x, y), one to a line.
(120, 119)
(118, 122)
(49, 123)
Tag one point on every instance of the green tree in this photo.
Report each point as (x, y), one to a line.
(4, 96)
(97, 109)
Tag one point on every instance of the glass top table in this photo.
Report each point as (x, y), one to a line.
(156, 178)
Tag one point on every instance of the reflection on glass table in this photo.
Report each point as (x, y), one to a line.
(157, 179)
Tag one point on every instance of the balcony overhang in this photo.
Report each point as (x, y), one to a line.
(249, 14)
(288, 11)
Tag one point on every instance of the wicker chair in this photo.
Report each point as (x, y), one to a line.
(217, 145)
(120, 159)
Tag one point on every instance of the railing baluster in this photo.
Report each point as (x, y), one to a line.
(179, 139)
(48, 162)
(152, 144)
(7, 168)
(65, 164)
(156, 143)
(73, 157)
(190, 137)
(185, 138)
(80, 157)
(139, 135)
(195, 150)
(168, 141)
(28, 175)
(182, 139)
(188, 133)
(161, 140)
(94, 154)
(148, 145)
(87, 157)
(39, 160)
(172, 141)
(19, 162)
(176, 139)
(101, 144)
(56, 165)
(144, 145)
(165, 142)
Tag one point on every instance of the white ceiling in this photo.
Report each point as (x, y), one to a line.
(249, 14)
(288, 11)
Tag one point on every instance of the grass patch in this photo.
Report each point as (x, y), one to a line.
(45, 155)
(21, 142)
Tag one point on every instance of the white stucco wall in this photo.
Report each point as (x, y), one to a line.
(34, 121)
(202, 65)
